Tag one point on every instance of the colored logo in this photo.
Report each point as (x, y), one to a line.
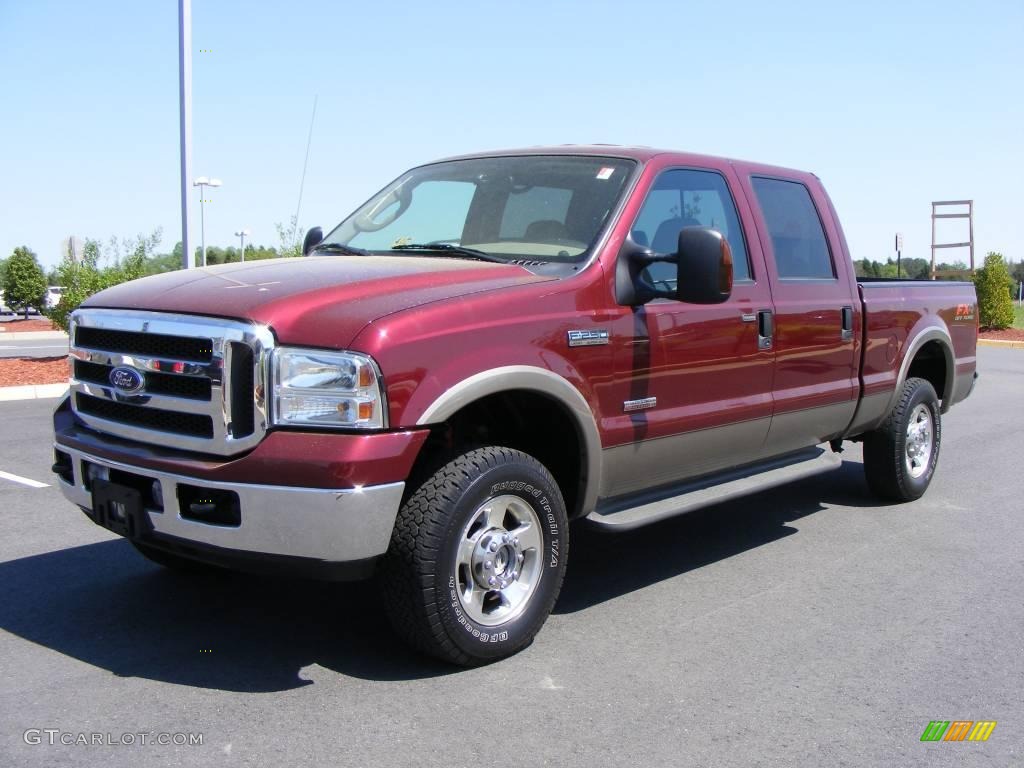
(127, 380)
(964, 312)
(958, 730)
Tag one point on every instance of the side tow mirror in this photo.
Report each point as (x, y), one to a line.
(703, 262)
(705, 266)
(313, 238)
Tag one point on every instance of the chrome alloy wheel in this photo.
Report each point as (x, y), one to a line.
(920, 441)
(498, 560)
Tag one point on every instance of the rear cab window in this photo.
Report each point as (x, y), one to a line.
(798, 238)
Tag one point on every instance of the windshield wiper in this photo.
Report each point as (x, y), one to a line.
(339, 248)
(454, 250)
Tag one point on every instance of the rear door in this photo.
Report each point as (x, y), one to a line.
(816, 319)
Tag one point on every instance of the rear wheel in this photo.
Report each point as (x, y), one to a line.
(901, 455)
(477, 557)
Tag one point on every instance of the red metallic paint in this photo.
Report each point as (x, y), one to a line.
(297, 459)
(431, 323)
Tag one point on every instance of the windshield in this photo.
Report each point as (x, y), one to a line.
(547, 208)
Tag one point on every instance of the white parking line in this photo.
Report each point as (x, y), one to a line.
(22, 480)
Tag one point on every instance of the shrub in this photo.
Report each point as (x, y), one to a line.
(993, 283)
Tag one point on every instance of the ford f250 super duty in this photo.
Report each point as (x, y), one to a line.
(489, 348)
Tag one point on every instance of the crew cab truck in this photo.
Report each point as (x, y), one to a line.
(491, 347)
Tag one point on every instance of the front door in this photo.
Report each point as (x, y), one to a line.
(693, 386)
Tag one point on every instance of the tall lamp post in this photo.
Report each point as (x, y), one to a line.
(202, 182)
(243, 233)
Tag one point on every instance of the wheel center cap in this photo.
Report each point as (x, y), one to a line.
(497, 559)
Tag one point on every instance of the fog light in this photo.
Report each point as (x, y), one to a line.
(95, 472)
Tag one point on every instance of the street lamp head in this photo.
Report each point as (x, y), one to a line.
(243, 232)
(214, 182)
(199, 181)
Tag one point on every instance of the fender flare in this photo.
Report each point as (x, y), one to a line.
(531, 378)
(932, 333)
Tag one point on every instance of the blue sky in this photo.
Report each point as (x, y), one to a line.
(892, 104)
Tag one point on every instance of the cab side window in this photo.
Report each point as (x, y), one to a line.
(798, 239)
(687, 198)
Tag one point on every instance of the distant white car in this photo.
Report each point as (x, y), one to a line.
(53, 294)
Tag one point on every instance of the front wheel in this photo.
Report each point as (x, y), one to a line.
(901, 455)
(477, 557)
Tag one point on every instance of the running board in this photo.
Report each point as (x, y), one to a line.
(714, 490)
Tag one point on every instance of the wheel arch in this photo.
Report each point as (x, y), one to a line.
(524, 382)
(929, 356)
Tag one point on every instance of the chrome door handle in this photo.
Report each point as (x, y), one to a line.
(748, 317)
(847, 320)
(765, 329)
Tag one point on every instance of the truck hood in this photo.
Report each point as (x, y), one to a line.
(317, 301)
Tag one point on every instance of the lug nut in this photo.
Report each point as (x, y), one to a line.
(494, 546)
(487, 565)
(520, 558)
(491, 581)
(516, 541)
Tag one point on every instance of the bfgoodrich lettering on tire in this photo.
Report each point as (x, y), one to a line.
(901, 455)
(477, 557)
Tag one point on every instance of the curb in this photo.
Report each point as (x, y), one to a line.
(1001, 343)
(32, 335)
(33, 392)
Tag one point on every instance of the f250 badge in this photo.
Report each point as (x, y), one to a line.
(126, 380)
(588, 338)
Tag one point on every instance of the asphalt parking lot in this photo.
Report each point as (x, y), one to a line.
(806, 625)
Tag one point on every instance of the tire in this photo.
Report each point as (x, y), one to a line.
(901, 455)
(477, 557)
(174, 562)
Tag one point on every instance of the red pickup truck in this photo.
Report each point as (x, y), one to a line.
(489, 348)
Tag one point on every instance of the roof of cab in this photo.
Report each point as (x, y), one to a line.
(641, 154)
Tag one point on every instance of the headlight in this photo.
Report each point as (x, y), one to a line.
(316, 388)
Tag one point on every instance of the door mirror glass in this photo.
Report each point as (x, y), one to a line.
(704, 263)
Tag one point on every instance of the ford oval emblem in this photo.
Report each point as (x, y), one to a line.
(127, 381)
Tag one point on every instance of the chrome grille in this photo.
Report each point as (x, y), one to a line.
(204, 379)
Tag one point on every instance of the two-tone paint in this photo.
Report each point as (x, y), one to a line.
(448, 332)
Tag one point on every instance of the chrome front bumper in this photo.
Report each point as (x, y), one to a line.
(333, 526)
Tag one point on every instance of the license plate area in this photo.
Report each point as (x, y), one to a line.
(118, 508)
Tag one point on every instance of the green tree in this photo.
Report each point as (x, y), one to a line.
(993, 283)
(291, 239)
(915, 269)
(128, 259)
(1017, 273)
(24, 281)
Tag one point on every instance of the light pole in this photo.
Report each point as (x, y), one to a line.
(185, 118)
(243, 233)
(202, 182)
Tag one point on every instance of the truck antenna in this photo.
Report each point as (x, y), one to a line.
(305, 163)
